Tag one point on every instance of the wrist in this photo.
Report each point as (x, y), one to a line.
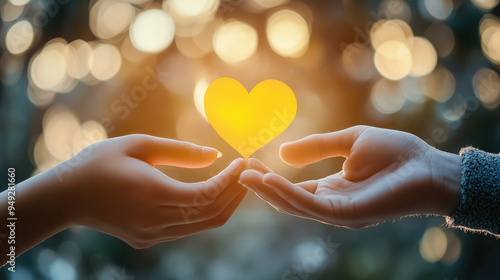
(41, 210)
(445, 169)
(45, 195)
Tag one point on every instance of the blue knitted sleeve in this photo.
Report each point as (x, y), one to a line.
(479, 207)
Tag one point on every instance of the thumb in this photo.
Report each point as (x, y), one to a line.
(316, 147)
(156, 150)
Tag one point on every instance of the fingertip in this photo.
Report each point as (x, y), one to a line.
(285, 145)
(211, 153)
(248, 176)
(253, 163)
(288, 154)
(268, 177)
(257, 165)
(236, 167)
(239, 163)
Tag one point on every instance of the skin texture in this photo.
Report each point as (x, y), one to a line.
(112, 186)
(387, 174)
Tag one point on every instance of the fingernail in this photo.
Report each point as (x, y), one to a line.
(219, 154)
(207, 151)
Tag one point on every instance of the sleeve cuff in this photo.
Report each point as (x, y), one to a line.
(479, 207)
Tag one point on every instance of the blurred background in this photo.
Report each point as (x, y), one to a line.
(76, 72)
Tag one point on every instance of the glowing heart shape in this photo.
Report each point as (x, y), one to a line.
(248, 121)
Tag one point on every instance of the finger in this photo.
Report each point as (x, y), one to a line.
(180, 194)
(253, 163)
(166, 190)
(252, 180)
(316, 147)
(185, 215)
(156, 150)
(316, 206)
(174, 232)
(226, 177)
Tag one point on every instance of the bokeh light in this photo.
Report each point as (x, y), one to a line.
(235, 41)
(78, 64)
(190, 9)
(438, 9)
(110, 18)
(40, 97)
(11, 12)
(387, 96)
(288, 33)
(63, 137)
(433, 244)
(453, 248)
(199, 96)
(486, 84)
(393, 60)
(60, 126)
(19, 2)
(490, 37)
(42, 157)
(105, 61)
(390, 30)
(48, 69)
(19, 37)
(485, 5)
(89, 132)
(152, 31)
(266, 4)
(439, 85)
(130, 53)
(424, 57)
(140, 3)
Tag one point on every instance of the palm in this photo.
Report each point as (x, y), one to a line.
(381, 178)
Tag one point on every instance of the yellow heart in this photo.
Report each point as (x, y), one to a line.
(248, 121)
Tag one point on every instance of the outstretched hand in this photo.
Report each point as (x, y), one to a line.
(387, 174)
(128, 198)
(112, 186)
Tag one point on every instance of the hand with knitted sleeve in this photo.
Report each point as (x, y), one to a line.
(387, 174)
(479, 207)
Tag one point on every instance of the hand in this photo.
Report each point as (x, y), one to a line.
(113, 187)
(387, 174)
